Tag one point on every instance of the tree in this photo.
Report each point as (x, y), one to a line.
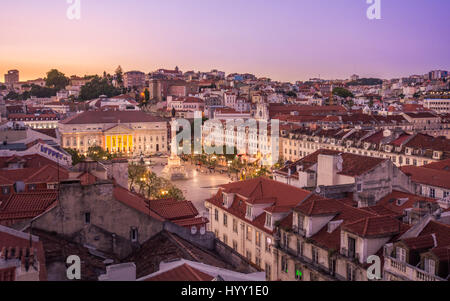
(56, 79)
(291, 94)
(119, 75)
(97, 153)
(12, 96)
(147, 95)
(96, 87)
(43, 92)
(136, 173)
(76, 156)
(342, 92)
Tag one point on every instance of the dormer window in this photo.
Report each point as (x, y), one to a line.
(430, 266)
(300, 222)
(249, 212)
(269, 221)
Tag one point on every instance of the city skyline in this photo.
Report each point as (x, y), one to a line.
(302, 40)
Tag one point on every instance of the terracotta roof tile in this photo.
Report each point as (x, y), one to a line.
(183, 272)
(428, 176)
(375, 226)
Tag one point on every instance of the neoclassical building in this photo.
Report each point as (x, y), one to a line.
(131, 133)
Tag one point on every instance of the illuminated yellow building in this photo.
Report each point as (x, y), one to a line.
(127, 132)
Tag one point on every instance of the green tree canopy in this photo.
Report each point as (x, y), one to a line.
(119, 75)
(342, 92)
(76, 156)
(96, 87)
(56, 79)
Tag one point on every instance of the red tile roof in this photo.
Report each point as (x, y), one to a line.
(33, 175)
(423, 141)
(89, 117)
(316, 206)
(353, 165)
(278, 197)
(409, 200)
(375, 226)
(428, 176)
(173, 209)
(443, 165)
(26, 205)
(135, 201)
(181, 273)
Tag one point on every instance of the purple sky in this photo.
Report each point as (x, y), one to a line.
(281, 39)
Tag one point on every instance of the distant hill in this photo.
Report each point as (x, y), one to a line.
(366, 82)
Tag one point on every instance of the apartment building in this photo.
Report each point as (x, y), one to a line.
(244, 215)
(36, 121)
(328, 240)
(400, 147)
(433, 183)
(421, 254)
(251, 138)
(367, 179)
(134, 79)
(439, 105)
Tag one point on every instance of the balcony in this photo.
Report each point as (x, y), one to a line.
(351, 254)
(299, 231)
(407, 272)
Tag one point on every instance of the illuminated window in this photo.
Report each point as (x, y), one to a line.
(258, 239)
(249, 233)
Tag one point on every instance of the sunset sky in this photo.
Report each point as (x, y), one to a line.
(285, 40)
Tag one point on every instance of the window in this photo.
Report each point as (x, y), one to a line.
(446, 194)
(6, 190)
(216, 215)
(351, 247)
(87, 218)
(285, 240)
(300, 222)
(32, 187)
(235, 245)
(315, 255)
(300, 246)
(268, 271)
(258, 262)
(284, 264)
(430, 266)
(134, 234)
(332, 266)
(359, 187)
(258, 238)
(225, 220)
(401, 254)
(249, 255)
(268, 220)
(235, 226)
(432, 193)
(225, 239)
(268, 243)
(249, 211)
(249, 233)
(350, 272)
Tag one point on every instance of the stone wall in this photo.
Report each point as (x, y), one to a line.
(106, 213)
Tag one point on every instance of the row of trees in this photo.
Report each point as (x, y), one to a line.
(95, 153)
(142, 180)
(98, 86)
(147, 183)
